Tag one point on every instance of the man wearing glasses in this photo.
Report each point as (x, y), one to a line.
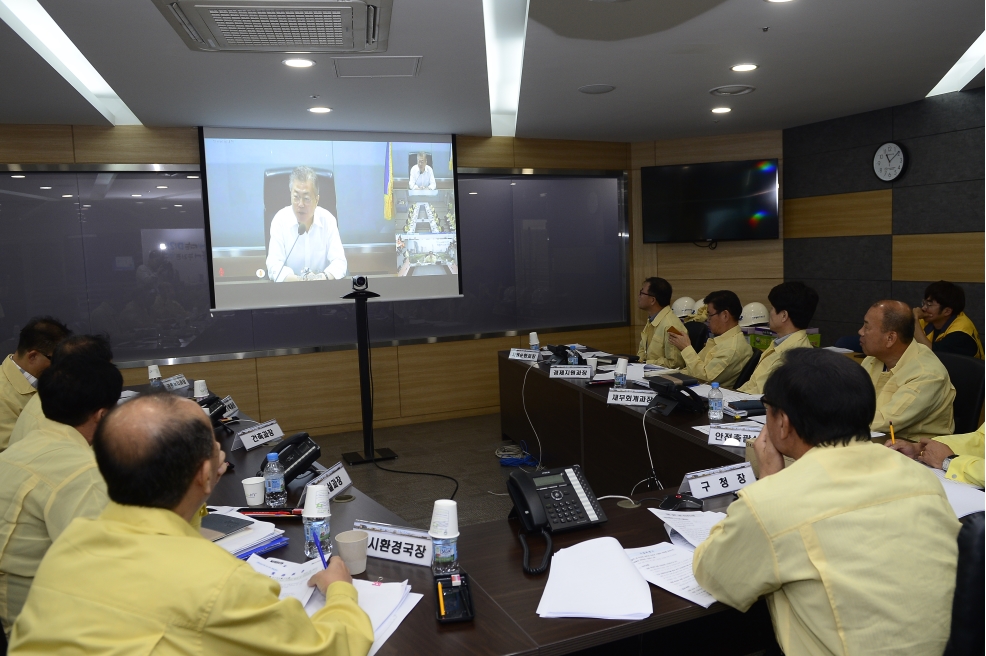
(941, 325)
(304, 238)
(723, 357)
(851, 542)
(20, 371)
(654, 298)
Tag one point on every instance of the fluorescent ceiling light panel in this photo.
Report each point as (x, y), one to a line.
(33, 24)
(966, 68)
(506, 33)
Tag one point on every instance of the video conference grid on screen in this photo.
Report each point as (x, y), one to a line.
(294, 215)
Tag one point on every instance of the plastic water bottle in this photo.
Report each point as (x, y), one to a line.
(535, 345)
(620, 379)
(573, 357)
(317, 526)
(445, 559)
(154, 377)
(275, 492)
(715, 405)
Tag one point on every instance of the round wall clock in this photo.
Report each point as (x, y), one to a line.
(888, 161)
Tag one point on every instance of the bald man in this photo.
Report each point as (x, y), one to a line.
(169, 590)
(913, 390)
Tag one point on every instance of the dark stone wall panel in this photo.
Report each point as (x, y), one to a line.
(839, 134)
(847, 300)
(948, 112)
(948, 207)
(838, 172)
(838, 258)
(948, 157)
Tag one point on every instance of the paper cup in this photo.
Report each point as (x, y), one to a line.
(592, 362)
(534, 339)
(153, 371)
(316, 501)
(199, 390)
(444, 520)
(253, 488)
(621, 366)
(352, 549)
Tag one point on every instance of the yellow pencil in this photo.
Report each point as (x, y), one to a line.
(441, 599)
(892, 440)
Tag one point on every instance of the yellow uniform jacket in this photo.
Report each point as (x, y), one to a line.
(968, 466)
(771, 359)
(15, 392)
(721, 359)
(654, 345)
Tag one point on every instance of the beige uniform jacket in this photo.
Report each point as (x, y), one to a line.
(771, 359)
(15, 392)
(46, 481)
(654, 345)
(853, 546)
(144, 581)
(916, 395)
(29, 419)
(970, 449)
(721, 360)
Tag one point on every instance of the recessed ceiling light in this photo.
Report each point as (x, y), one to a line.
(320, 110)
(730, 90)
(743, 68)
(513, 184)
(46, 187)
(473, 193)
(777, 1)
(66, 195)
(135, 195)
(162, 186)
(721, 110)
(192, 177)
(299, 63)
(163, 247)
(17, 176)
(595, 89)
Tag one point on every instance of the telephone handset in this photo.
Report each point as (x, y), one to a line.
(549, 501)
(296, 453)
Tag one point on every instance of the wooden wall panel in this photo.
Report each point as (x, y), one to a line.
(450, 376)
(237, 378)
(484, 152)
(36, 144)
(612, 340)
(560, 154)
(839, 215)
(318, 390)
(641, 154)
(956, 256)
(748, 289)
(749, 259)
(135, 144)
(726, 148)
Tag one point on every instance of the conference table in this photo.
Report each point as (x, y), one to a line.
(564, 421)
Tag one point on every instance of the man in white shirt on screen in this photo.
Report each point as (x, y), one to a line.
(422, 176)
(304, 238)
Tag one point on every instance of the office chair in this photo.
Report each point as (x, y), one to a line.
(850, 342)
(967, 376)
(412, 160)
(277, 195)
(749, 367)
(698, 334)
(967, 604)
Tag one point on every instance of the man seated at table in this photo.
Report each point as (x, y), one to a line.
(654, 298)
(792, 305)
(93, 346)
(941, 325)
(20, 370)
(141, 579)
(853, 546)
(913, 389)
(50, 477)
(724, 355)
(959, 456)
(421, 176)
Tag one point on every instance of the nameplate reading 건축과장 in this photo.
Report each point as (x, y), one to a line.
(260, 434)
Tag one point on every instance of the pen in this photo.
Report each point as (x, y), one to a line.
(892, 440)
(441, 598)
(318, 545)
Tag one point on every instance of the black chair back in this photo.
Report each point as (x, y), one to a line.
(698, 334)
(967, 604)
(412, 160)
(749, 367)
(967, 376)
(277, 194)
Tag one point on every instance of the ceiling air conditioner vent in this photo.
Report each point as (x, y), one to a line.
(280, 25)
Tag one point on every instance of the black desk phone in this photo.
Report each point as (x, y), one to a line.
(296, 453)
(550, 501)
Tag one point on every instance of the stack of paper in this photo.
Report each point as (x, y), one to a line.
(965, 499)
(729, 396)
(669, 566)
(259, 538)
(293, 577)
(595, 579)
(693, 526)
(635, 371)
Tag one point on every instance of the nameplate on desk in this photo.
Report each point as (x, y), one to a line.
(526, 355)
(721, 480)
(336, 478)
(726, 436)
(175, 382)
(260, 434)
(231, 407)
(618, 396)
(400, 543)
(569, 371)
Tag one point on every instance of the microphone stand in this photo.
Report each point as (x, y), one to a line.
(301, 231)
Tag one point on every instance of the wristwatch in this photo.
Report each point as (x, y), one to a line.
(946, 462)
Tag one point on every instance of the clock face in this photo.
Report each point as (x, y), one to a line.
(888, 162)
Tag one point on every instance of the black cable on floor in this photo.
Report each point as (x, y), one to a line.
(399, 471)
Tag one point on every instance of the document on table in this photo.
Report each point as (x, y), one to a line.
(595, 354)
(728, 395)
(669, 567)
(635, 371)
(965, 499)
(597, 579)
(677, 538)
(733, 425)
(693, 526)
(293, 577)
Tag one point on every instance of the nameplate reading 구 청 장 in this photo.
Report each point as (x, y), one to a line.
(721, 480)
(569, 371)
(619, 396)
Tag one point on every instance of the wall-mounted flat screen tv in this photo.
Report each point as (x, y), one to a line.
(721, 201)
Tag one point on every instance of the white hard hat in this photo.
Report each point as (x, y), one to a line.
(683, 307)
(753, 313)
(698, 305)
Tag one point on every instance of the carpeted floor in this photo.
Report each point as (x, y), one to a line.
(461, 448)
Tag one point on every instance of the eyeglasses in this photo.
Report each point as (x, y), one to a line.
(715, 314)
(306, 198)
(643, 293)
(927, 304)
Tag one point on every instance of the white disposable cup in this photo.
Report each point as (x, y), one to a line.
(352, 549)
(199, 389)
(621, 366)
(253, 489)
(592, 362)
(534, 339)
(317, 502)
(444, 520)
(153, 371)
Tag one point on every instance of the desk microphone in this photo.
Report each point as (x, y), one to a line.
(301, 231)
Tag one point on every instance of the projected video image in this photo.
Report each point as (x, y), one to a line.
(300, 209)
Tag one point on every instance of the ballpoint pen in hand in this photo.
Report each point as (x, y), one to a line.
(318, 545)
